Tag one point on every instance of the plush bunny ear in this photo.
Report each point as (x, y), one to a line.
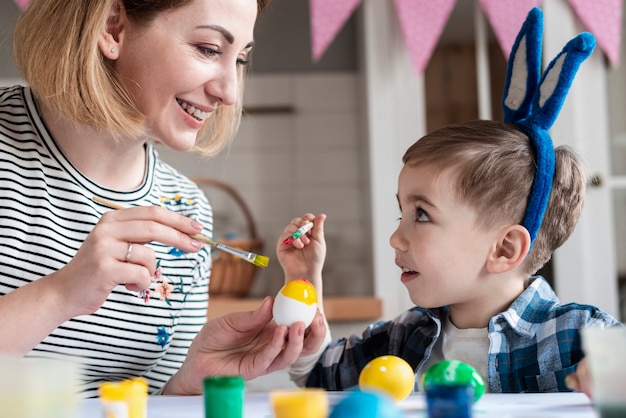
(558, 78)
(533, 107)
(524, 68)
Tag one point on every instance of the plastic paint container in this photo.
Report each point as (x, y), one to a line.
(125, 399)
(449, 401)
(299, 403)
(223, 396)
(38, 387)
(605, 350)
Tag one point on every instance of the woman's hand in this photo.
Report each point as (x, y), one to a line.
(247, 344)
(304, 258)
(113, 253)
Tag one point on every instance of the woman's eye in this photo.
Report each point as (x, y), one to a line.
(242, 61)
(208, 52)
(421, 215)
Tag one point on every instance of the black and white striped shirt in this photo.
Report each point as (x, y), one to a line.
(46, 212)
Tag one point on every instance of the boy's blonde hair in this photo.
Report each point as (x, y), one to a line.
(56, 49)
(495, 165)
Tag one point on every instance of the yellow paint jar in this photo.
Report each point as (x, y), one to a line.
(126, 399)
(300, 403)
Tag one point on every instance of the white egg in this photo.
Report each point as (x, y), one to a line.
(288, 311)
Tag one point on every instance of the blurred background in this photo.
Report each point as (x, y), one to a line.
(327, 136)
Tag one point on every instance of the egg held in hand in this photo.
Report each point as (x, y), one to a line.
(295, 302)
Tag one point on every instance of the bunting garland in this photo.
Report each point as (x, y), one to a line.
(22, 3)
(327, 18)
(603, 18)
(506, 18)
(422, 22)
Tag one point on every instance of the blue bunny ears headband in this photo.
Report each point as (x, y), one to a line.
(533, 104)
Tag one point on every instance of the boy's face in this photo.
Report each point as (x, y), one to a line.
(439, 245)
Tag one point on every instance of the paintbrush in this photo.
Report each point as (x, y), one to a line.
(256, 259)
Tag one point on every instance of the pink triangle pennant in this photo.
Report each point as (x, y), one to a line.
(327, 18)
(506, 18)
(422, 22)
(22, 3)
(603, 18)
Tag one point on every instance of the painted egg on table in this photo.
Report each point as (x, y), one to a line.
(454, 372)
(295, 302)
(389, 374)
(366, 405)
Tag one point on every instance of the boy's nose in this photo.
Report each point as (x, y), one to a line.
(395, 240)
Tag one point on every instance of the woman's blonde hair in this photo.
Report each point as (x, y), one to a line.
(495, 167)
(56, 49)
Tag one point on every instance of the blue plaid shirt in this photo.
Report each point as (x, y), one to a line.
(533, 345)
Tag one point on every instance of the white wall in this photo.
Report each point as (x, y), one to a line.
(312, 159)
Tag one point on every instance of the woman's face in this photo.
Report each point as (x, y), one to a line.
(184, 65)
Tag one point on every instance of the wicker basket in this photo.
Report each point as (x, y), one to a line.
(230, 275)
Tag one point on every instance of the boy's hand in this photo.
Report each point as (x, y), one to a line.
(580, 380)
(304, 257)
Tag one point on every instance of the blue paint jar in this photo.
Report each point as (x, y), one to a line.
(449, 401)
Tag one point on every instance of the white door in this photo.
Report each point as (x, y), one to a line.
(616, 179)
(585, 267)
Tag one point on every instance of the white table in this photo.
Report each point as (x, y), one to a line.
(545, 405)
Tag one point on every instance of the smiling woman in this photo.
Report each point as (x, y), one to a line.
(101, 95)
(124, 291)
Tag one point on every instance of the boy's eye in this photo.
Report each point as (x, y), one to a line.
(421, 215)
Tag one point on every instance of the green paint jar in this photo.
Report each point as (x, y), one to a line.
(223, 397)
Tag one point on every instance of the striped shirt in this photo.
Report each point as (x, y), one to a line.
(47, 211)
(534, 344)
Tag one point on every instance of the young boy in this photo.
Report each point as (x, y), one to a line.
(484, 204)
(467, 264)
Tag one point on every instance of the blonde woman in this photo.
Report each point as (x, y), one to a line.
(124, 292)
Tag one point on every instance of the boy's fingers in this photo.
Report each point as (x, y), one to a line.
(572, 382)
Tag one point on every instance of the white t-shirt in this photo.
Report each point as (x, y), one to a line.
(470, 345)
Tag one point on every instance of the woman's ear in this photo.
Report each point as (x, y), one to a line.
(510, 250)
(110, 38)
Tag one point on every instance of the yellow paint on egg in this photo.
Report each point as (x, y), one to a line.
(295, 302)
(301, 290)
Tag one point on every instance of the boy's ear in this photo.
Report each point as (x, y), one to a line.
(510, 250)
(111, 35)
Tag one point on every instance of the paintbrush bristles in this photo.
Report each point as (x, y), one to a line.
(261, 261)
(257, 260)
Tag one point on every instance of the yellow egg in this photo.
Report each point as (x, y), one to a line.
(389, 374)
(296, 301)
